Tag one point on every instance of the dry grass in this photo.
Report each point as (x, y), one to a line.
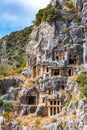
(72, 77)
(73, 117)
(30, 120)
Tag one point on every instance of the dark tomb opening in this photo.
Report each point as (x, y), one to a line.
(62, 86)
(51, 110)
(71, 61)
(31, 100)
(54, 102)
(54, 110)
(47, 69)
(57, 58)
(69, 72)
(58, 102)
(50, 102)
(56, 72)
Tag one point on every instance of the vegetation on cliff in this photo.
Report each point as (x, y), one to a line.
(82, 80)
(48, 14)
(15, 46)
(16, 41)
(15, 51)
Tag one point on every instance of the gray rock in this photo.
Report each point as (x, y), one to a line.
(71, 106)
(80, 104)
(13, 125)
(9, 96)
(1, 120)
(41, 111)
(79, 5)
(25, 128)
(26, 72)
(76, 34)
(53, 126)
(71, 125)
(56, 3)
(23, 112)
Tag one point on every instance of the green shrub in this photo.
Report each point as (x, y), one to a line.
(37, 122)
(48, 14)
(7, 106)
(5, 114)
(1, 102)
(20, 69)
(3, 91)
(69, 4)
(76, 104)
(6, 71)
(54, 120)
(2, 71)
(82, 80)
(83, 90)
(15, 47)
(67, 103)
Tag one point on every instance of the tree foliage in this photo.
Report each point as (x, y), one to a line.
(82, 80)
(48, 14)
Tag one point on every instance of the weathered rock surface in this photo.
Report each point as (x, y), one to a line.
(1, 120)
(67, 35)
(54, 126)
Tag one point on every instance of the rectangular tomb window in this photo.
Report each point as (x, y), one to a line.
(54, 110)
(57, 109)
(51, 111)
(34, 71)
(57, 58)
(55, 72)
(58, 102)
(50, 92)
(31, 100)
(54, 102)
(62, 86)
(50, 102)
(47, 69)
(43, 100)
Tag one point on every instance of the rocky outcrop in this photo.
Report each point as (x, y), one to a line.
(56, 54)
(54, 126)
(9, 88)
(1, 121)
(6, 82)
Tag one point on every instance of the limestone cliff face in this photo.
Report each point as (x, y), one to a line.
(66, 32)
(61, 31)
(55, 55)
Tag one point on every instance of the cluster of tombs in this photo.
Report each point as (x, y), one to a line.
(50, 70)
(63, 61)
(45, 96)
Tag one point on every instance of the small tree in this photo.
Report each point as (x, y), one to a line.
(82, 80)
(7, 106)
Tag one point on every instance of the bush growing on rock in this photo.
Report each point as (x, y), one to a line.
(6, 71)
(82, 80)
(20, 69)
(7, 106)
(48, 14)
(69, 4)
(37, 124)
(1, 102)
(54, 120)
(5, 114)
